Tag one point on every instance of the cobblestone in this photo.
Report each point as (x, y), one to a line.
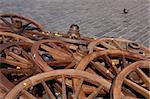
(96, 18)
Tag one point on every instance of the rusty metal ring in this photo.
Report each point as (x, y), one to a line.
(15, 50)
(134, 45)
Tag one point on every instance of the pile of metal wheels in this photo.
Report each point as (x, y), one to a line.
(38, 64)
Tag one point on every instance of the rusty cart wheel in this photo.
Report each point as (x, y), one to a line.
(22, 25)
(13, 49)
(6, 37)
(52, 54)
(19, 24)
(108, 63)
(15, 57)
(118, 43)
(122, 81)
(45, 80)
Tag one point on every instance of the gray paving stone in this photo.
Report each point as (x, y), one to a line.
(126, 25)
(144, 35)
(95, 17)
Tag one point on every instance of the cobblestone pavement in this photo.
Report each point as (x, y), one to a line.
(96, 18)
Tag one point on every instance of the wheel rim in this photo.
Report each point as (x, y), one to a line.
(47, 75)
(121, 78)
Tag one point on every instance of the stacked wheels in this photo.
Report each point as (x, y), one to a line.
(38, 64)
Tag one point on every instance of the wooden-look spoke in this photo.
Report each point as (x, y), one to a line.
(12, 20)
(129, 97)
(5, 21)
(107, 59)
(26, 25)
(124, 61)
(12, 70)
(3, 38)
(72, 64)
(48, 91)
(53, 45)
(65, 50)
(32, 28)
(28, 95)
(77, 90)
(64, 94)
(15, 63)
(56, 63)
(117, 45)
(126, 92)
(19, 58)
(144, 77)
(137, 88)
(102, 69)
(108, 46)
(109, 62)
(95, 93)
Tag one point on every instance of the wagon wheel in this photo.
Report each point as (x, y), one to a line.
(142, 91)
(108, 63)
(14, 46)
(6, 85)
(19, 24)
(15, 66)
(118, 43)
(7, 37)
(109, 59)
(45, 82)
(49, 58)
(8, 46)
(17, 63)
(15, 54)
(51, 54)
(22, 25)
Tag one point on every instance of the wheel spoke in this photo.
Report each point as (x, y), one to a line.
(77, 91)
(72, 64)
(144, 77)
(95, 93)
(28, 95)
(48, 91)
(32, 28)
(23, 28)
(5, 21)
(19, 58)
(124, 61)
(12, 20)
(64, 94)
(102, 69)
(129, 97)
(108, 46)
(137, 88)
(26, 25)
(109, 62)
(117, 44)
(3, 38)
